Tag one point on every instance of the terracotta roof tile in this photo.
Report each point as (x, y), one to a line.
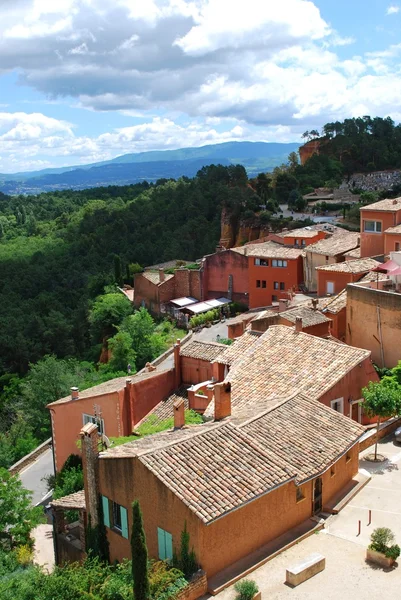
(238, 348)
(308, 315)
(269, 250)
(73, 501)
(155, 277)
(164, 410)
(305, 435)
(388, 205)
(334, 245)
(202, 350)
(361, 265)
(355, 253)
(283, 363)
(396, 229)
(303, 232)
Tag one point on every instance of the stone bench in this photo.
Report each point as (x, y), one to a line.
(302, 571)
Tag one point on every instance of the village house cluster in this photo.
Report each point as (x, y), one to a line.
(282, 406)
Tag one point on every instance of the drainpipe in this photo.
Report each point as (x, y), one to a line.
(380, 334)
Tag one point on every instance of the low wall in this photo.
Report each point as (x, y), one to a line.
(385, 429)
(167, 353)
(30, 458)
(196, 588)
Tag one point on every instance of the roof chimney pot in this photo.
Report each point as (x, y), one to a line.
(222, 400)
(314, 303)
(74, 393)
(179, 413)
(161, 275)
(298, 324)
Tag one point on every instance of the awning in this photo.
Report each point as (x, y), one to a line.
(387, 267)
(184, 301)
(201, 307)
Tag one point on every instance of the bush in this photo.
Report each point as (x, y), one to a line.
(382, 540)
(393, 552)
(246, 589)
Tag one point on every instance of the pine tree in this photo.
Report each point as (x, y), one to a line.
(139, 555)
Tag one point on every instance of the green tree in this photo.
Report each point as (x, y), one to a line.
(118, 273)
(17, 516)
(186, 561)
(139, 555)
(146, 343)
(381, 400)
(107, 314)
(122, 352)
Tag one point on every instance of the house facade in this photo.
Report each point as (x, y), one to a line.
(392, 240)
(376, 218)
(153, 290)
(225, 274)
(332, 279)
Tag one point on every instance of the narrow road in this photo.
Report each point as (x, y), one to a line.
(31, 477)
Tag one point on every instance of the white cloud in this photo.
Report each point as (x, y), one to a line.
(393, 9)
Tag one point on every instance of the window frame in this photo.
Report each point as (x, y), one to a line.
(338, 401)
(261, 262)
(282, 286)
(274, 298)
(300, 495)
(263, 282)
(276, 285)
(396, 246)
(375, 228)
(276, 261)
(86, 418)
(258, 283)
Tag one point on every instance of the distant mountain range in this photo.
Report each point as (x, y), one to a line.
(256, 157)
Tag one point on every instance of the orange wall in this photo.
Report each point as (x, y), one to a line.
(67, 422)
(363, 325)
(217, 269)
(225, 540)
(292, 276)
(149, 392)
(289, 239)
(320, 330)
(195, 370)
(339, 322)
(147, 292)
(372, 244)
(340, 280)
(390, 241)
(350, 386)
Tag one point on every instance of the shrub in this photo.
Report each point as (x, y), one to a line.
(24, 555)
(246, 589)
(393, 552)
(186, 560)
(381, 539)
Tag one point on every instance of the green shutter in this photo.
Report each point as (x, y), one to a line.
(169, 545)
(106, 512)
(162, 545)
(124, 522)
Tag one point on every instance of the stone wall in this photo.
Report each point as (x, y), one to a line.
(196, 588)
(376, 181)
(30, 458)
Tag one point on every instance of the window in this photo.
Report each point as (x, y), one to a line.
(279, 263)
(330, 287)
(263, 284)
(303, 243)
(338, 405)
(296, 243)
(372, 226)
(300, 494)
(91, 419)
(274, 298)
(258, 283)
(282, 285)
(348, 457)
(120, 519)
(332, 471)
(261, 262)
(397, 246)
(276, 285)
(165, 543)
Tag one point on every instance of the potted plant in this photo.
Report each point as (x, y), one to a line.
(382, 549)
(247, 590)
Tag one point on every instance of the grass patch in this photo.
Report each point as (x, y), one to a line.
(154, 425)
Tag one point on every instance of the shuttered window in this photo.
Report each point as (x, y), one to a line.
(165, 541)
(124, 522)
(106, 512)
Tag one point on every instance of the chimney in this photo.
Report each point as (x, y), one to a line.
(314, 303)
(298, 324)
(395, 201)
(74, 393)
(179, 413)
(161, 275)
(177, 364)
(222, 400)
(90, 465)
(245, 251)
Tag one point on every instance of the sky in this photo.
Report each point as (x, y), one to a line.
(87, 80)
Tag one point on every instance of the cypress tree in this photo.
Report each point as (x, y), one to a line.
(139, 555)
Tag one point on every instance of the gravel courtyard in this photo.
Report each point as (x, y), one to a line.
(347, 576)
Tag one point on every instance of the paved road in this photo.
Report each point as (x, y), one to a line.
(31, 477)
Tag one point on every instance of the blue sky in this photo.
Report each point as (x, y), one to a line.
(87, 80)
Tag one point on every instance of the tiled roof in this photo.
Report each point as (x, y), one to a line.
(73, 501)
(108, 387)
(246, 316)
(202, 350)
(355, 253)
(306, 436)
(164, 410)
(308, 315)
(396, 229)
(303, 232)
(374, 276)
(170, 264)
(155, 277)
(269, 250)
(388, 205)
(335, 303)
(237, 349)
(337, 244)
(361, 265)
(283, 363)
(216, 471)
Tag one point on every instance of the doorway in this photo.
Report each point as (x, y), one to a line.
(317, 496)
